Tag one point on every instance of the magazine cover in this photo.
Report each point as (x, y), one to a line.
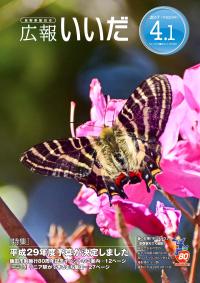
(100, 141)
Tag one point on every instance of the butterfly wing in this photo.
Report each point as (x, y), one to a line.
(143, 118)
(69, 158)
(146, 112)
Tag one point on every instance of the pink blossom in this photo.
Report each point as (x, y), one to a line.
(191, 86)
(103, 112)
(88, 201)
(186, 105)
(164, 222)
(170, 136)
(169, 217)
(29, 276)
(180, 157)
(138, 215)
(32, 276)
(190, 128)
(106, 214)
(181, 176)
(135, 214)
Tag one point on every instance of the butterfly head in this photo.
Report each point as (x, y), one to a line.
(107, 133)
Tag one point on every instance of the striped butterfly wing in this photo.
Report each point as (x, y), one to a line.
(145, 114)
(143, 118)
(71, 158)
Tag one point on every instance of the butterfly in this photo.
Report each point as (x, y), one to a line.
(126, 153)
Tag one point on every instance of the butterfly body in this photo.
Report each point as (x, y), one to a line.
(127, 152)
(119, 153)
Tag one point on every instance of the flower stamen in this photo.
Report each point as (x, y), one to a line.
(72, 110)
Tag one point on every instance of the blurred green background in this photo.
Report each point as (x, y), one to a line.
(39, 79)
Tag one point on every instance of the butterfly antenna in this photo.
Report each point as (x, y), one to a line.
(107, 100)
(72, 110)
(113, 118)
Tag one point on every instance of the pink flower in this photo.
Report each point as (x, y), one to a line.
(169, 217)
(69, 275)
(138, 215)
(102, 112)
(32, 276)
(165, 221)
(181, 138)
(88, 201)
(190, 128)
(29, 276)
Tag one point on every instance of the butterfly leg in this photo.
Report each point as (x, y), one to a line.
(109, 193)
(113, 189)
(121, 193)
(154, 169)
(147, 177)
(149, 173)
(119, 183)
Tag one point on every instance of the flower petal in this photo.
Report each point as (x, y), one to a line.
(177, 87)
(29, 276)
(181, 177)
(106, 222)
(98, 109)
(138, 215)
(88, 129)
(114, 106)
(169, 217)
(88, 201)
(138, 193)
(190, 127)
(135, 215)
(191, 85)
(102, 112)
(171, 133)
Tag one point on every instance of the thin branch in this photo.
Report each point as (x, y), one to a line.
(190, 206)
(164, 277)
(185, 272)
(196, 246)
(125, 236)
(15, 229)
(178, 206)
